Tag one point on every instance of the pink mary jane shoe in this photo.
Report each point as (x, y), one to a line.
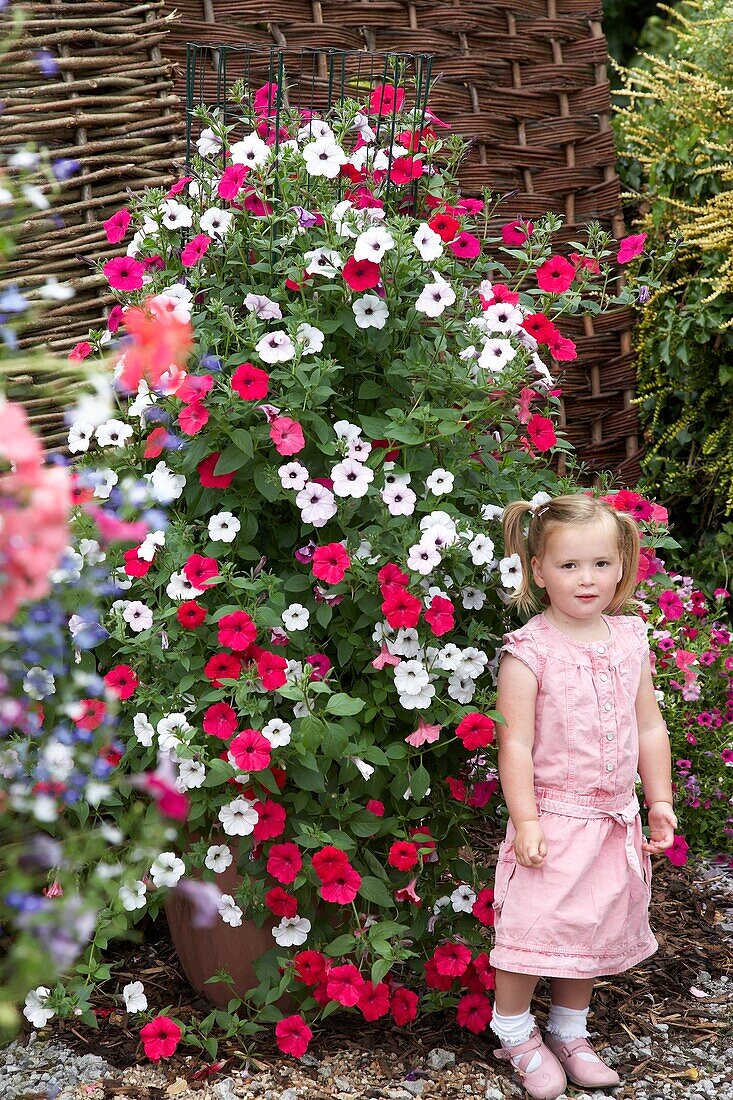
(547, 1081)
(581, 1063)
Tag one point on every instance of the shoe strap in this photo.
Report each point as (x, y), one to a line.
(523, 1050)
(572, 1046)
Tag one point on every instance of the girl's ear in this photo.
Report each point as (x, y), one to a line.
(537, 572)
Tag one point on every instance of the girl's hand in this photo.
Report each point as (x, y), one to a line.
(662, 824)
(530, 846)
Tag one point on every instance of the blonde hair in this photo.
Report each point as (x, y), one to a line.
(573, 509)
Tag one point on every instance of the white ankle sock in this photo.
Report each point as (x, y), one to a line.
(511, 1030)
(567, 1023)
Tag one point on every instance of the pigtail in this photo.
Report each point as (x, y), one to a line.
(629, 548)
(515, 542)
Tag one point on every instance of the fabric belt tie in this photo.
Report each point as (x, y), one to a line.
(625, 817)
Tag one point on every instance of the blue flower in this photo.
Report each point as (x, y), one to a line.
(12, 301)
(47, 62)
(65, 167)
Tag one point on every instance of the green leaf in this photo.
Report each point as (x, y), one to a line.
(334, 742)
(270, 490)
(230, 460)
(243, 440)
(341, 704)
(380, 969)
(219, 771)
(309, 779)
(374, 889)
(419, 783)
(342, 945)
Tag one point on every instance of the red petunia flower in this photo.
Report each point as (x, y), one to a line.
(483, 907)
(271, 821)
(445, 226)
(330, 563)
(404, 170)
(271, 670)
(458, 789)
(329, 862)
(392, 574)
(360, 274)
(401, 608)
(515, 234)
(134, 565)
(251, 751)
(345, 984)
(199, 570)
(192, 418)
(222, 666)
(250, 382)
(220, 720)
(92, 714)
(541, 431)
(562, 348)
(451, 958)
(195, 250)
(121, 681)
(539, 326)
(160, 1038)
(236, 631)
(374, 1001)
(310, 967)
(190, 614)
(439, 615)
(435, 980)
(465, 246)
(280, 902)
(625, 500)
(293, 1035)
(386, 99)
(501, 294)
(374, 806)
(284, 861)
(474, 1012)
(403, 855)
(404, 1006)
(555, 275)
(342, 887)
(156, 442)
(475, 730)
(207, 477)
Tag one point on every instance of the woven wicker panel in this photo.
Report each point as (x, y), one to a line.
(112, 107)
(526, 82)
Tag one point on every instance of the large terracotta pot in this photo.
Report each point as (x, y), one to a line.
(204, 951)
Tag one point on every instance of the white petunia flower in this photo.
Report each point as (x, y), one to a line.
(223, 527)
(435, 297)
(80, 435)
(176, 215)
(292, 931)
(323, 261)
(166, 485)
(422, 558)
(54, 291)
(134, 997)
(314, 129)
(179, 587)
(510, 570)
(418, 702)
(347, 431)
(461, 688)
(359, 449)
(293, 476)
(91, 551)
(324, 157)
(105, 481)
(491, 511)
(538, 500)
(275, 347)
(495, 354)
(36, 1009)
(501, 317)
(449, 657)
(440, 482)
(373, 244)
(542, 371)
(481, 549)
(366, 771)
(462, 899)
(406, 642)
(317, 504)
(239, 817)
(263, 307)
(218, 858)
(138, 616)
(132, 897)
(167, 869)
(191, 775)
(428, 243)
(295, 617)
(473, 599)
(142, 727)
(310, 337)
(150, 545)
(410, 677)
(229, 911)
(370, 311)
(172, 305)
(173, 728)
(277, 733)
(472, 663)
(351, 479)
(208, 144)
(216, 222)
(252, 151)
(399, 499)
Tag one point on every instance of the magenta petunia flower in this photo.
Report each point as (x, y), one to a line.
(124, 273)
(195, 250)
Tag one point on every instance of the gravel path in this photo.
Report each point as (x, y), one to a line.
(671, 1063)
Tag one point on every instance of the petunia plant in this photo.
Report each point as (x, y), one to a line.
(309, 633)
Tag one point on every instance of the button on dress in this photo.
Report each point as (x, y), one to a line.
(584, 912)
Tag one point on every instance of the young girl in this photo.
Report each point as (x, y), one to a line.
(573, 879)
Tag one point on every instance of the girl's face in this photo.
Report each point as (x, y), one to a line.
(580, 569)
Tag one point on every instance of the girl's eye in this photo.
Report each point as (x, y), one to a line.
(601, 563)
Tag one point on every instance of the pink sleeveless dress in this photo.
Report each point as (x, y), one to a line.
(584, 912)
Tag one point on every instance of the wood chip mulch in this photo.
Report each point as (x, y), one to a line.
(687, 913)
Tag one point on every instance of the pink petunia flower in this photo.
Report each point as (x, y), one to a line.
(631, 247)
(287, 435)
(555, 275)
(160, 1038)
(195, 250)
(330, 563)
(425, 734)
(677, 854)
(124, 273)
(116, 226)
(251, 751)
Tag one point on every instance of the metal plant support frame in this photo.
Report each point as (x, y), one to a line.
(310, 81)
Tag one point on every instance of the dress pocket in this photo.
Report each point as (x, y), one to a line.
(505, 868)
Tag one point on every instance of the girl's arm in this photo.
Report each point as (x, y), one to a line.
(655, 765)
(516, 699)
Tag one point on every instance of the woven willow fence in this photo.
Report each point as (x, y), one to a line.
(526, 82)
(111, 106)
